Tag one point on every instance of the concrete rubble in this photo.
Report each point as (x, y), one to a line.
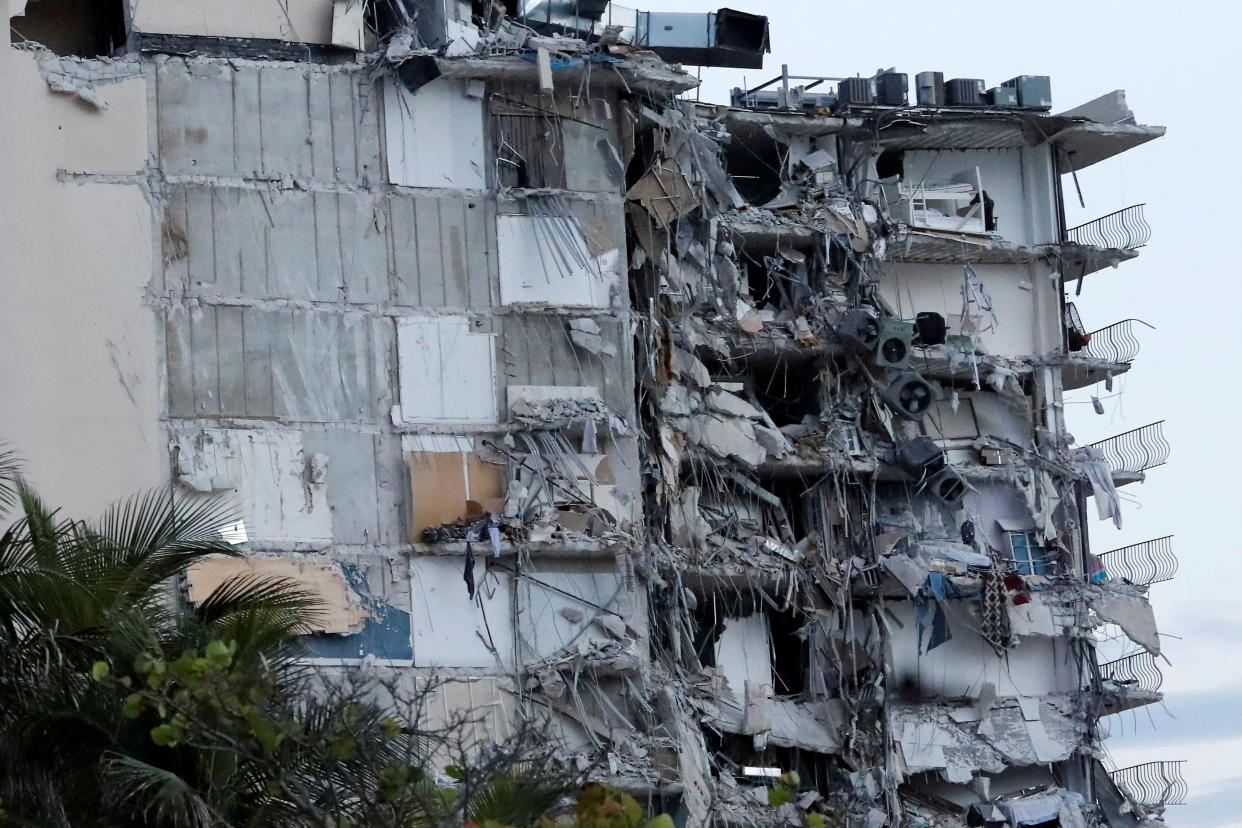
(722, 438)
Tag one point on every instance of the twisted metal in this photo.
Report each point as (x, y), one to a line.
(1153, 784)
(1137, 450)
(1124, 230)
(1135, 672)
(1115, 343)
(1146, 563)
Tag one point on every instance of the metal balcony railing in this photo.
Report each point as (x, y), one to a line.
(1137, 450)
(1116, 343)
(1135, 672)
(1125, 230)
(1146, 563)
(1153, 784)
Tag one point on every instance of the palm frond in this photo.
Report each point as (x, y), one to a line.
(10, 471)
(159, 795)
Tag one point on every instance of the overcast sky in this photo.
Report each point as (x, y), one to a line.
(1177, 63)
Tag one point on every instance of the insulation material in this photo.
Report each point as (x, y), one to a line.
(415, 127)
(743, 653)
(449, 482)
(665, 193)
(341, 611)
(295, 21)
(545, 260)
(447, 370)
(382, 588)
(451, 629)
(281, 490)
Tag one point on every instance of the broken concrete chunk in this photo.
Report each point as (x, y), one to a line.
(688, 367)
(726, 439)
(573, 615)
(732, 405)
(586, 334)
(775, 443)
(1132, 613)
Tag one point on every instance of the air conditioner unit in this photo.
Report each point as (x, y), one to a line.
(1003, 96)
(964, 92)
(929, 88)
(893, 348)
(1034, 91)
(910, 396)
(929, 328)
(859, 327)
(855, 92)
(891, 89)
(949, 486)
(920, 458)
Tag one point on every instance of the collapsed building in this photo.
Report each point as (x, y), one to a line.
(724, 440)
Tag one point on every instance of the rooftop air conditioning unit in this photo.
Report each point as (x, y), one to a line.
(891, 89)
(893, 348)
(1034, 91)
(909, 396)
(725, 37)
(964, 92)
(929, 88)
(859, 327)
(1003, 97)
(855, 92)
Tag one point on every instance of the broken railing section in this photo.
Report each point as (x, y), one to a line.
(1146, 563)
(1137, 450)
(1139, 671)
(1125, 229)
(1116, 343)
(1153, 784)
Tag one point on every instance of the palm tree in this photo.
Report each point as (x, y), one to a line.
(76, 593)
(122, 706)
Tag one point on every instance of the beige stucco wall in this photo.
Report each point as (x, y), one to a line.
(297, 21)
(79, 392)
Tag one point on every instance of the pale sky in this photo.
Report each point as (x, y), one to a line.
(1177, 63)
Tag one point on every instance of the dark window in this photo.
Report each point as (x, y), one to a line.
(86, 28)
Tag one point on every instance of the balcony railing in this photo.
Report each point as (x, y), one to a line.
(1146, 563)
(1153, 784)
(1116, 343)
(1124, 230)
(1136, 672)
(1137, 450)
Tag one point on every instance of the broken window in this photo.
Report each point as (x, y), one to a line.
(749, 642)
(529, 144)
(86, 28)
(1030, 557)
(789, 392)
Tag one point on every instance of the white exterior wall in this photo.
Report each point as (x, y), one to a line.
(1023, 297)
(295, 21)
(1020, 182)
(81, 396)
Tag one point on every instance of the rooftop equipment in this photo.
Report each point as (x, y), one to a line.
(929, 88)
(1034, 91)
(726, 37)
(964, 92)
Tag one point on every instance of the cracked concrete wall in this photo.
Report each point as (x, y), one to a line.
(82, 397)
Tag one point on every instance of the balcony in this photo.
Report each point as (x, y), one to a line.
(1130, 682)
(1103, 242)
(1123, 230)
(1096, 355)
(1152, 784)
(1133, 452)
(1146, 563)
